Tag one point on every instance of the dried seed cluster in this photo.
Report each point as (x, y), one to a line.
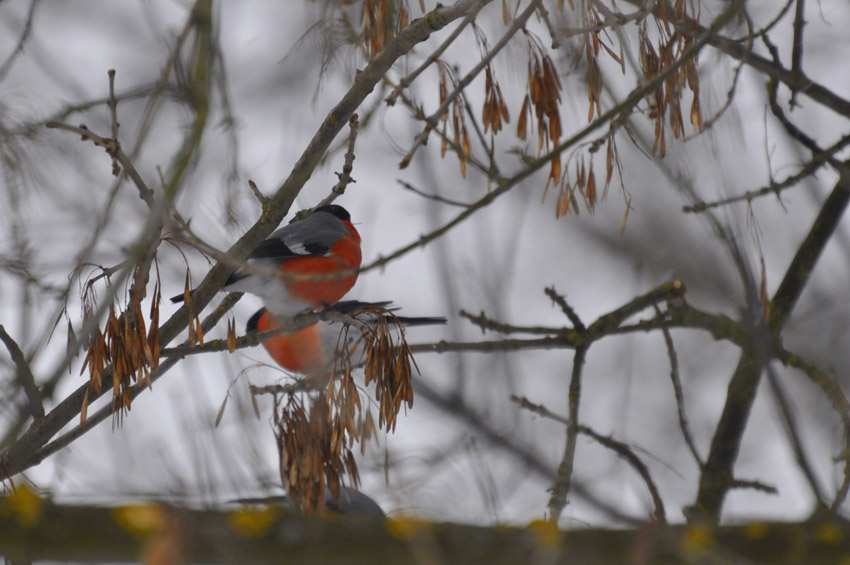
(543, 99)
(661, 45)
(382, 20)
(314, 449)
(124, 343)
(316, 433)
(388, 362)
(461, 133)
(665, 103)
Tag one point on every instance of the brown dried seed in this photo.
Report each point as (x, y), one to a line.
(563, 204)
(84, 409)
(521, 122)
(626, 215)
(231, 335)
(503, 108)
(221, 411)
(696, 114)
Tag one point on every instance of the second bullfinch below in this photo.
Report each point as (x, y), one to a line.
(311, 351)
(317, 257)
(351, 503)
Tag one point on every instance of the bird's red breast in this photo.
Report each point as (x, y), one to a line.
(311, 351)
(320, 279)
(299, 352)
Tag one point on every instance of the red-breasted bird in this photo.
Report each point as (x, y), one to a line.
(317, 257)
(311, 351)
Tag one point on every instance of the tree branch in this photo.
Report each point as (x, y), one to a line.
(24, 374)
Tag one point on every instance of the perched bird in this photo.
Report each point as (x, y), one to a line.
(311, 351)
(351, 503)
(317, 257)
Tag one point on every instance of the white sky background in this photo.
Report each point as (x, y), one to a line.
(499, 262)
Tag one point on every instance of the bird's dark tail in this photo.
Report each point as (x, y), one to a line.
(422, 321)
(179, 299)
(350, 307)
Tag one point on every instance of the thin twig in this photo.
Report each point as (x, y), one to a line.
(114, 150)
(677, 391)
(113, 108)
(754, 485)
(568, 310)
(434, 197)
(25, 35)
(347, 166)
(482, 321)
(262, 199)
(792, 429)
(493, 169)
(301, 385)
(797, 45)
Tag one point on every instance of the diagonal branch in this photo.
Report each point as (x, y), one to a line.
(793, 431)
(25, 376)
(800, 269)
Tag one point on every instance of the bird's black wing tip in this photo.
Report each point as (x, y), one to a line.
(254, 321)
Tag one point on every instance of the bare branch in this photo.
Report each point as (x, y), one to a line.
(754, 485)
(568, 310)
(797, 45)
(113, 148)
(22, 40)
(24, 374)
(486, 323)
(793, 431)
(348, 165)
(677, 391)
(434, 197)
(561, 487)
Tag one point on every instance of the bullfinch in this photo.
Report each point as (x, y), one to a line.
(311, 351)
(317, 258)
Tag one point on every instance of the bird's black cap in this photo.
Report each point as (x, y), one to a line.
(335, 210)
